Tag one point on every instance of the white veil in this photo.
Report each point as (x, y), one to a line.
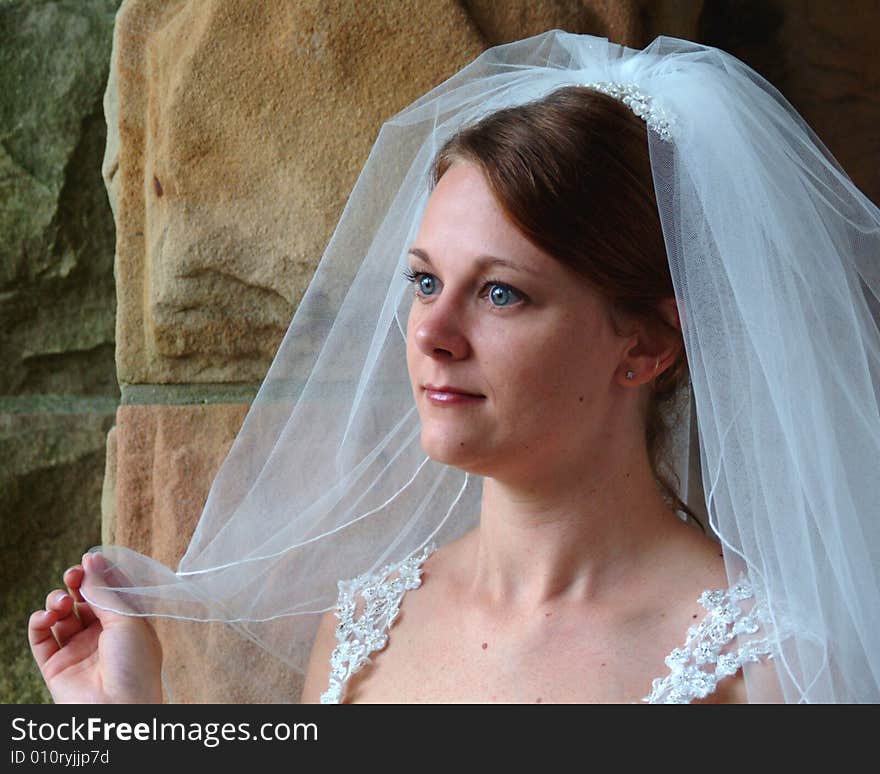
(775, 260)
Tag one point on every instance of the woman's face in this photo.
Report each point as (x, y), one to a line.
(496, 317)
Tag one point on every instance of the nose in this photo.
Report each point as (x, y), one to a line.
(439, 331)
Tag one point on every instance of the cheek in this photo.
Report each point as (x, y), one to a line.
(410, 353)
(526, 374)
(410, 334)
(415, 358)
(554, 381)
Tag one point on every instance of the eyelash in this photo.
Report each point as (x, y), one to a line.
(411, 275)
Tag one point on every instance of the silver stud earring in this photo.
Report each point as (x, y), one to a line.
(630, 374)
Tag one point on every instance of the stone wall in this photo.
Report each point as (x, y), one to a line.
(235, 130)
(58, 388)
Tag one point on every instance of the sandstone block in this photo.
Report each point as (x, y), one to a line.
(165, 460)
(236, 130)
(628, 22)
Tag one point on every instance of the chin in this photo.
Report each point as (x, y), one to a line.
(450, 449)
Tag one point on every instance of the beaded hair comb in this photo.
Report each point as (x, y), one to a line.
(640, 103)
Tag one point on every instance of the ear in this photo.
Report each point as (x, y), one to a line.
(653, 348)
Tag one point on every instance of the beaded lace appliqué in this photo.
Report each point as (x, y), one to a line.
(361, 636)
(696, 668)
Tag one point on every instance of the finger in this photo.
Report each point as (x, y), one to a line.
(84, 612)
(66, 623)
(73, 578)
(108, 576)
(66, 628)
(42, 641)
(60, 601)
(109, 572)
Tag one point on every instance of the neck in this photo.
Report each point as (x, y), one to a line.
(565, 536)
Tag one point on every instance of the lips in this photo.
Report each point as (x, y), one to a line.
(447, 388)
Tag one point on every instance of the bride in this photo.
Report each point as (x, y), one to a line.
(570, 277)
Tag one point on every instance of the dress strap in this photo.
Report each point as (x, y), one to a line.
(696, 668)
(358, 637)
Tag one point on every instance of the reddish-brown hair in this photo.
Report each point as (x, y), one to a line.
(572, 172)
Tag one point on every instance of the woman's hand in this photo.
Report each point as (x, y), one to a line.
(91, 656)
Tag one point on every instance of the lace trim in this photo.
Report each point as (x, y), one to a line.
(687, 679)
(360, 637)
(691, 674)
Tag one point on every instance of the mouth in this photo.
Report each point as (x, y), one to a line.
(451, 389)
(447, 394)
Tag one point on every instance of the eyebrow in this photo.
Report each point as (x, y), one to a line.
(482, 261)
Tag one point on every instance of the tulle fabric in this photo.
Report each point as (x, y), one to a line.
(775, 260)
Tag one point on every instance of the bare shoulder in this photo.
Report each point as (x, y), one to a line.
(755, 682)
(451, 559)
(318, 672)
(317, 676)
(691, 562)
(707, 558)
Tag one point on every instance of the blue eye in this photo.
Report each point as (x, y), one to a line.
(500, 295)
(427, 284)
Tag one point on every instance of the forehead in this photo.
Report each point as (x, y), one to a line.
(463, 220)
(465, 231)
(465, 228)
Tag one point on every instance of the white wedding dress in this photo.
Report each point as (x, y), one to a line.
(369, 604)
